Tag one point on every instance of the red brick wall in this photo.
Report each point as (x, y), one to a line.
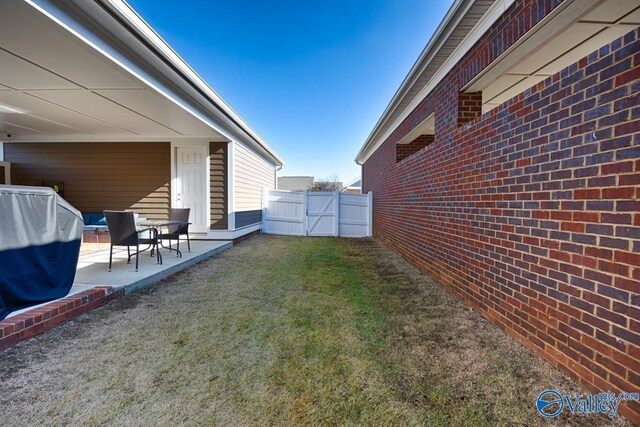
(405, 150)
(530, 214)
(469, 106)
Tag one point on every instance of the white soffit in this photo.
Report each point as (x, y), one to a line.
(55, 87)
(583, 27)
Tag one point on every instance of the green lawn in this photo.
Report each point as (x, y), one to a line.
(281, 331)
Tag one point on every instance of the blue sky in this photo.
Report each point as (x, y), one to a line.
(311, 77)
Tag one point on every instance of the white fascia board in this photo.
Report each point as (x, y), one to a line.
(231, 184)
(486, 21)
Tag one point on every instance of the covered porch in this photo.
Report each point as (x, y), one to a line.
(108, 125)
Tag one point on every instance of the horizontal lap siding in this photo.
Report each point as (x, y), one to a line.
(99, 176)
(219, 172)
(531, 213)
(251, 175)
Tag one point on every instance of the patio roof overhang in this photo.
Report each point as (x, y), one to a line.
(78, 70)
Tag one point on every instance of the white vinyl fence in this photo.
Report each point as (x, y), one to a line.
(309, 213)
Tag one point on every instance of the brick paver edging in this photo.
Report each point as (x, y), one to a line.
(33, 322)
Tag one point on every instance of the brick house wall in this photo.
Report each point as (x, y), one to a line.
(530, 213)
(405, 150)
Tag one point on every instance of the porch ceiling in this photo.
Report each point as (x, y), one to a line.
(56, 87)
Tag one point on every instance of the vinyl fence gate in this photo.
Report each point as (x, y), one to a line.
(306, 213)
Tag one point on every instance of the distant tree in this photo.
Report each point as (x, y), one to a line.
(327, 184)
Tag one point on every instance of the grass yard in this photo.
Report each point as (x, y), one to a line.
(281, 331)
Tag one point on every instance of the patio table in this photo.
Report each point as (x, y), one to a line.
(157, 225)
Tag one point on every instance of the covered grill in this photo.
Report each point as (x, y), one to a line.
(40, 236)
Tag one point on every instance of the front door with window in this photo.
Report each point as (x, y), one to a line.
(191, 175)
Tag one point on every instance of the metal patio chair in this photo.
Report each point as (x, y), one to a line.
(175, 231)
(123, 232)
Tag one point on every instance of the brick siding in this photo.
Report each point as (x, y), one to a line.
(469, 106)
(405, 150)
(530, 213)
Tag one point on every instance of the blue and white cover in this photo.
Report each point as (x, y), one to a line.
(40, 236)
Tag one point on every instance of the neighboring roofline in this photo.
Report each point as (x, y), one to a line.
(114, 29)
(353, 181)
(456, 12)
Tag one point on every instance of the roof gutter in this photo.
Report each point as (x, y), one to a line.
(134, 23)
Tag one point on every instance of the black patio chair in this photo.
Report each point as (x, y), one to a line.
(123, 232)
(175, 231)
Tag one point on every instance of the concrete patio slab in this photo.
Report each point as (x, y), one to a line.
(93, 268)
(94, 286)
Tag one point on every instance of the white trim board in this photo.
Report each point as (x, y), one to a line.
(231, 182)
(7, 169)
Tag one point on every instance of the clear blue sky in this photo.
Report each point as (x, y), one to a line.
(311, 77)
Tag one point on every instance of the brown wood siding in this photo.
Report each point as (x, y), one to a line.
(99, 176)
(219, 173)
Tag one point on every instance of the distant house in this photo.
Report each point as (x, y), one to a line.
(96, 105)
(301, 183)
(295, 183)
(354, 187)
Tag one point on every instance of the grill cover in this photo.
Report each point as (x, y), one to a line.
(40, 236)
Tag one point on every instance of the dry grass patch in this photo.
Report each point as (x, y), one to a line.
(280, 331)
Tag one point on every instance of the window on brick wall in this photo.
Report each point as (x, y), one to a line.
(417, 139)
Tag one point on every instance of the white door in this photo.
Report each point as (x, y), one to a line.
(191, 175)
